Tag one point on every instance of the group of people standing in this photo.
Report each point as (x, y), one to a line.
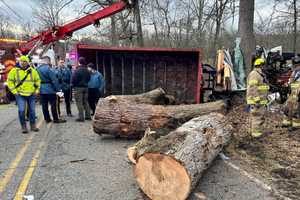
(52, 83)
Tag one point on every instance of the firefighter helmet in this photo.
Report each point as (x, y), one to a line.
(259, 62)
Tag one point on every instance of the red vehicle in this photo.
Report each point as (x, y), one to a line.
(8, 47)
(62, 32)
(7, 54)
(7, 62)
(136, 70)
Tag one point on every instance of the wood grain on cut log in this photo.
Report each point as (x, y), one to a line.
(115, 116)
(170, 167)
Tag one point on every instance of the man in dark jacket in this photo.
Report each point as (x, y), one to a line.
(95, 85)
(49, 88)
(80, 80)
(64, 78)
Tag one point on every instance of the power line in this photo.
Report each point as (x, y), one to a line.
(12, 10)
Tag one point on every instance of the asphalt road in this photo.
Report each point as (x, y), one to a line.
(68, 161)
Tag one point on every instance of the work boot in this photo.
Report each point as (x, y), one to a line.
(24, 129)
(48, 121)
(34, 128)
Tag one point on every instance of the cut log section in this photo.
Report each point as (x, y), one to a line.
(120, 117)
(170, 167)
(153, 97)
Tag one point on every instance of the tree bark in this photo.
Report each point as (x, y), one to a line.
(154, 97)
(295, 26)
(139, 28)
(200, 18)
(170, 167)
(114, 38)
(246, 20)
(121, 117)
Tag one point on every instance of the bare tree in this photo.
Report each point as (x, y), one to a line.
(289, 14)
(246, 32)
(48, 13)
(4, 25)
(220, 8)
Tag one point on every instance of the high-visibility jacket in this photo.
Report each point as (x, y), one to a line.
(295, 85)
(257, 88)
(29, 87)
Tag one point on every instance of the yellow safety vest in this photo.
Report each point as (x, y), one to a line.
(30, 86)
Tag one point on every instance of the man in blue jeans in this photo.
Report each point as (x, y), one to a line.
(24, 82)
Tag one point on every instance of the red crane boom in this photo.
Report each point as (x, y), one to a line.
(61, 32)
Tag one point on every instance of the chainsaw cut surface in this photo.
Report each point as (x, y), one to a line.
(162, 177)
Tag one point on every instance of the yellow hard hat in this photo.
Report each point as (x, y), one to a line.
(24, 59)
(259, 62)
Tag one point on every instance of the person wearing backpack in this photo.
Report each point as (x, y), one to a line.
(24, 82)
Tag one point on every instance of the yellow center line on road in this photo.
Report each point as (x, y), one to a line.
(14, 164)
(34, 162)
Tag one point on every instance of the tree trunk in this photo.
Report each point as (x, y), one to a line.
(171, 166)
(114, 38)
(126, 36)
(122, 117)
(295, 26)
(246, 20)
(138, 21)
(200, 18)
(154, 97)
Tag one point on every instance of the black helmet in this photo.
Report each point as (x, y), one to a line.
(296, 60)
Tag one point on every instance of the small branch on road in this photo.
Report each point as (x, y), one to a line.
(81, 160)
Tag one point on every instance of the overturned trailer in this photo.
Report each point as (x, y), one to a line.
(137, 70)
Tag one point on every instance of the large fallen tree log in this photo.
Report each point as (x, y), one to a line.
(155, 97)
(119, 117)
(170, 167)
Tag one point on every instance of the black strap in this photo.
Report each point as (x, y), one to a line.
(23, 80)
(264, 77)
(46, 82)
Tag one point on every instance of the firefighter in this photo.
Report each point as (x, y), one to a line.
(257, 93)
(24, 82)
(292, 106)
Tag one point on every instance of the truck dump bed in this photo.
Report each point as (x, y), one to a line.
(137, 70)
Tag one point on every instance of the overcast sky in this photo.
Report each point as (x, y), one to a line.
(24, 9)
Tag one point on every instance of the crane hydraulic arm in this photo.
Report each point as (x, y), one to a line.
(61, 32)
